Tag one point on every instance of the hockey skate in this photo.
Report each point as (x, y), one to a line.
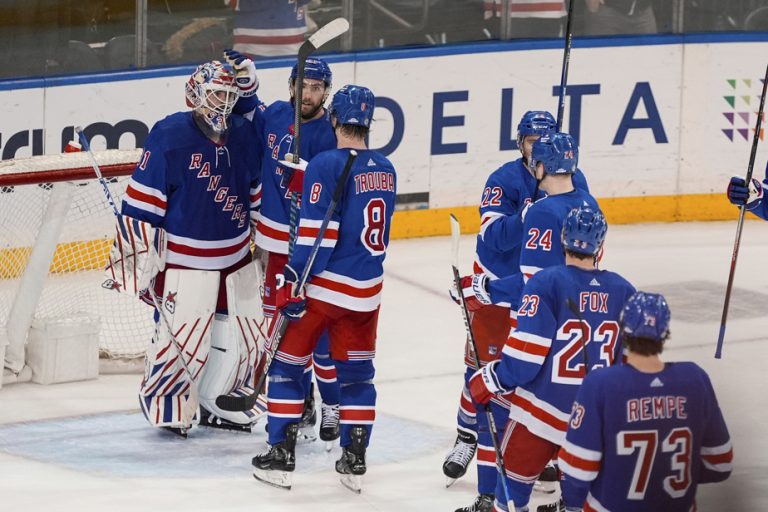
(351, 465)
(557, 506)
(459, 457)
(483, 503)
(275, 466)
(308, 418)
(178, 431)
(547, 481)
(208, 419)
(329, 425)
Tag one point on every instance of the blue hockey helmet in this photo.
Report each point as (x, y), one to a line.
(645, 315)
(353, 104)
(535, 122)
(584, 231)
(557, 151)
(314, 69)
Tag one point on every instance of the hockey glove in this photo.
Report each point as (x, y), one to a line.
(739, 194)
(475, 291)
(293, 174)
(484, 384)
(137, 256)
(290, 301)
(245, 73)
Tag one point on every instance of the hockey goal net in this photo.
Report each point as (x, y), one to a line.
(57, 230)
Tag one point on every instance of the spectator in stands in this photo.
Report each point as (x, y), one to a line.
(269, 28)
(529, 18)
(612, 17)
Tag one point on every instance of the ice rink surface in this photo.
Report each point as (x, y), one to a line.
(85, 447)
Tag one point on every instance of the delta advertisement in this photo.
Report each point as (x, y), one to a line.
(666, 118)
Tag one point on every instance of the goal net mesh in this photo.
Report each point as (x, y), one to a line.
(72, 284)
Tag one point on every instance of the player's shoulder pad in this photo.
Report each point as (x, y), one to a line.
(545, 280)
(326, 159)
(618, 279)
(596, 377)
(173, 130)
(508, 173)
(278, 106)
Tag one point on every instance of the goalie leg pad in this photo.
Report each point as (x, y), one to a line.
(228, 371)
(188, 302)
(237, 345)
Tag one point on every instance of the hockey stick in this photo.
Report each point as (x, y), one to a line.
(243, 403)
(572, 307)
(193, 395)
(566, 61)
(563, 80)
(740, 225)
(455, 239)
(326, 33)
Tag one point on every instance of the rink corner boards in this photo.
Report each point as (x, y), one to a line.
(618, 210)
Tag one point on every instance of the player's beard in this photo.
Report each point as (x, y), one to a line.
(308, 111)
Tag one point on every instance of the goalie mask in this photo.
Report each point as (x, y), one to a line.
(212, 91)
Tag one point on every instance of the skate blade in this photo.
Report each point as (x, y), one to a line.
(449, 481)
(545, 487)
(279, 479)
(306, 435)
(329, 445)
(352, 482)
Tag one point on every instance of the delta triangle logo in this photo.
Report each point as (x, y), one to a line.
(656, 383)
(594, 282)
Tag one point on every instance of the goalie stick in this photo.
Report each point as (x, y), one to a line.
(189, 413)
(243, 403)
(455, 239)
(326, 33)
(740, 225)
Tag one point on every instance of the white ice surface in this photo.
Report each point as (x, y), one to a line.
(64, 448)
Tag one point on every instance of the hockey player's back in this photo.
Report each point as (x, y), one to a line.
(644, 434)
(588, 335)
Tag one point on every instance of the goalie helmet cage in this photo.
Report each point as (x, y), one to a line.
(57, 231)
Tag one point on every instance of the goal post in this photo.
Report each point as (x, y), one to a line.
(56, 234)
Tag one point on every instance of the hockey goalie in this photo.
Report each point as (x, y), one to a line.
(183, 245)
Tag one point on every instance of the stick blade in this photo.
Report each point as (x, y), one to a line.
(327, 32)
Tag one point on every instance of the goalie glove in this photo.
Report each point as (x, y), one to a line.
(739, 193)
(291, 301)
(137, 256)
(484, 384)
(293, 174)
(474, 288)
(245, 72)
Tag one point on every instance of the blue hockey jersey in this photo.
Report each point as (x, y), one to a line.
(348, 270)
(507, 192)
(276, 123)
(544, 359)
(541, 245)
(201, 193)
(644, 441)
